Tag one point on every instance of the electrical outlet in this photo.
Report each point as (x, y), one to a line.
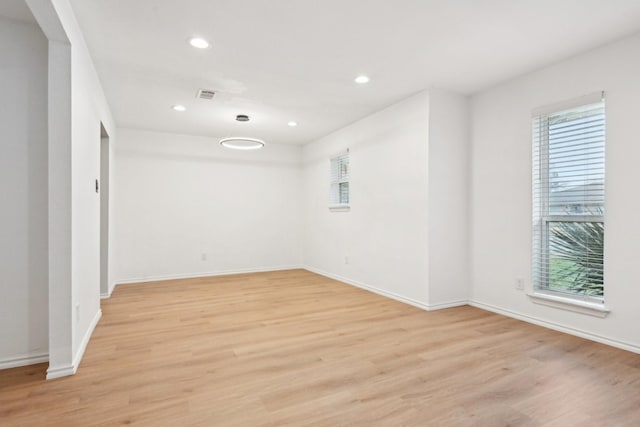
(203, 256)
(520, 283)
(77, 312)
(346, 260)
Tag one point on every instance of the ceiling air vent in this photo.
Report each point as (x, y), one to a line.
(205, 94)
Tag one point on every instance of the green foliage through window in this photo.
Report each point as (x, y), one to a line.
(576, 257)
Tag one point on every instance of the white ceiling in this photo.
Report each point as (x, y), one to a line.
(16, 10)
(282, 60)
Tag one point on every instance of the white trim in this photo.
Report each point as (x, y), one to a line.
(596, 309)
(63, 371)
(144, 279)
(557, 327)
(447, 304)
(530, 319)
(31, 359)
(59, 372)
(107, 296)
(86, 338)
(112, 287)
(592, 98)
(392, 295)
(339, 208)
(339, 154)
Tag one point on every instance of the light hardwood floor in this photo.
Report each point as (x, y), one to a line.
(293, 348)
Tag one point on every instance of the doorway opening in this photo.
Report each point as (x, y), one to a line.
(104, 213)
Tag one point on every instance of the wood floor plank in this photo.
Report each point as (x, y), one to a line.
(293, 348)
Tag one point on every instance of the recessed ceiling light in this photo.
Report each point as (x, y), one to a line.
(241, 143)
(292, 124)
(199, 43)
(362, 79)
(179, 107)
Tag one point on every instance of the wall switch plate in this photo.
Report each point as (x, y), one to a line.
(203, 256)
(520, 283)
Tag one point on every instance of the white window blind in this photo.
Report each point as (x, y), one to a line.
(339, 190)
(568, 197)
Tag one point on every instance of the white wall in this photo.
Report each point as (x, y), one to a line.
(406, 234)
(23, 192)
(384, 235)
(60, 215)
(250, 212)
(501, 189)
(89, 109)
(105, 156)
(181, 196)
(85, 204)
(76, 107)
(448, 199)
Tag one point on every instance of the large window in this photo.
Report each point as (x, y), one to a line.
(568, 198)
(339, 189)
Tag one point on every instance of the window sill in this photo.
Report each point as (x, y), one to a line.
(339, 208)
(571, 304)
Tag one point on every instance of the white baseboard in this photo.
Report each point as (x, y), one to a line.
(489, 307)
(107, 296)
(60, 371)
(31, 359)
(66, 370)
(447, 304)
(557, 327)
(85, 339)
(205, 274)
(384, 293)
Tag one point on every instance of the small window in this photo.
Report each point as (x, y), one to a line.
(339, 189)
(568, 198)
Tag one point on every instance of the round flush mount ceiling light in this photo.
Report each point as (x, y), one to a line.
(241, 143)
(179, 107)
(242, 118)
(361, 79)
(199, 43)
(292, 123)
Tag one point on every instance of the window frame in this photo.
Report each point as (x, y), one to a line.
(336, 180)
(542, 291)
